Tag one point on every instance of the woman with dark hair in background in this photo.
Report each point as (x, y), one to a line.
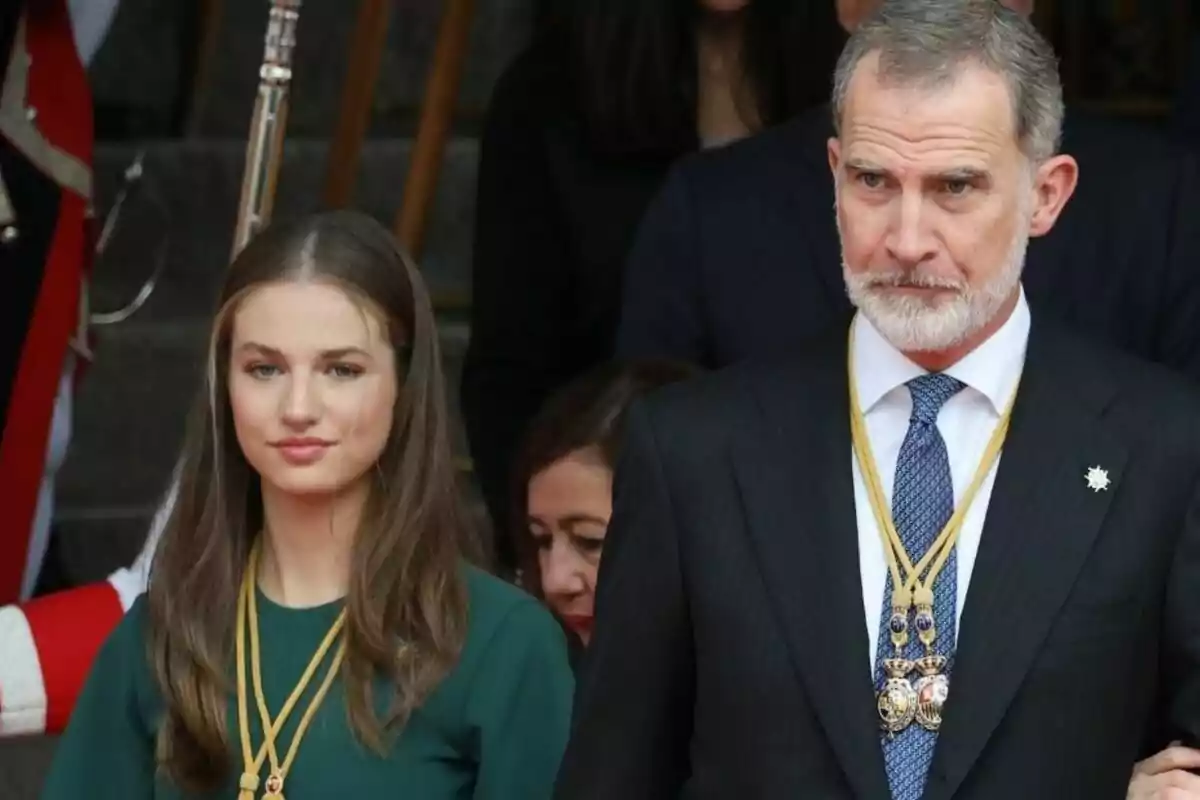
(579, 137)
(311, 619)
(562, 484)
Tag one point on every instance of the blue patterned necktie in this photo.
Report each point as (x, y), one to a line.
(922, 504)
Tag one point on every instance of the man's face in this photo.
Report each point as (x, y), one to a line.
(852, 12)
(935, 204)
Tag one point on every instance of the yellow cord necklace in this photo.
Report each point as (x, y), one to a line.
(901, 702)
(247, 628)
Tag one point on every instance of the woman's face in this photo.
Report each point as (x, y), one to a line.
(312, 385)
(569, 505)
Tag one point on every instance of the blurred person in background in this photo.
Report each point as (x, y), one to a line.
(562, 484)
(45, 245)
(46, 140)
(581, 131)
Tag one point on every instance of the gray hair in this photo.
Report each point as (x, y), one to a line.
(928, 41)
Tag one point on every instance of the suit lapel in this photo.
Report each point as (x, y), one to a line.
(794, 476)
(1042, 521)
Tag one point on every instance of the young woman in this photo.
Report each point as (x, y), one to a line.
(311, 628)
(563, 485)
(580, 134)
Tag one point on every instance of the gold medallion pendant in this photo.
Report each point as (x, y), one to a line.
(932, 689)
(897, 700)
(274, 787)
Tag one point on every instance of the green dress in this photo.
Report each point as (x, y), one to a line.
(494, 730)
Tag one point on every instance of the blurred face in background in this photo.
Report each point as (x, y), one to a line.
(723, 6)
(312, 387)
(569, 504)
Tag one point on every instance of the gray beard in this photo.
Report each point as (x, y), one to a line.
(913, 325)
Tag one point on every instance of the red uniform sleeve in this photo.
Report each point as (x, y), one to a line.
(49, 645)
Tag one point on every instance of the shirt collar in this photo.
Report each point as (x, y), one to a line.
(992, 369)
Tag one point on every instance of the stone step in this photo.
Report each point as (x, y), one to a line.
(24, 762)
(187, 206)
(138, 74)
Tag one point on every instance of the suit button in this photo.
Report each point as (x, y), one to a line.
(9, 234)
(31, 113)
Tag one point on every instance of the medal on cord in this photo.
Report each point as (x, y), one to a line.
(899, 701)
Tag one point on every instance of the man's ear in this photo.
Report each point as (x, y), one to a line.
(834, 151)
(1053, 186)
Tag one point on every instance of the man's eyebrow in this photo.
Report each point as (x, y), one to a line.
(963, 174)
(862, 165)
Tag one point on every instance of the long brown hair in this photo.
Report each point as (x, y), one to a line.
(406, 607)
(589, 412)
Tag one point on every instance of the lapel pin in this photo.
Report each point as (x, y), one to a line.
(1097, 479)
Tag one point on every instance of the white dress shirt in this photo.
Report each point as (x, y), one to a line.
(991, 373)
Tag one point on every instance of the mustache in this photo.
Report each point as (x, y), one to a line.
(909, 279)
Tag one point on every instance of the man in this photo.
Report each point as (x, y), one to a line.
(45, 192)
(818, 583)
(45, 195)
(738, 256)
